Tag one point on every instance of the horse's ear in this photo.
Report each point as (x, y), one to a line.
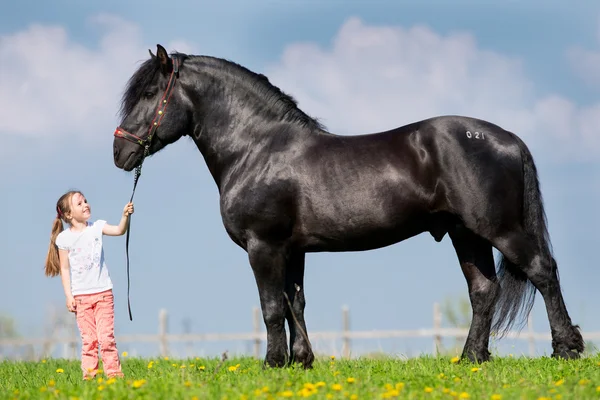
(166, 64)
(151, 54)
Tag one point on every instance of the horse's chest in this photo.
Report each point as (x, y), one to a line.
(265, 209)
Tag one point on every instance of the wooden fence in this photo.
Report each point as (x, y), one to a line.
(258, 336)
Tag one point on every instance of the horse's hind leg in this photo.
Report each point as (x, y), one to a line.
(540, 268)
(477, 263)
(300, 348)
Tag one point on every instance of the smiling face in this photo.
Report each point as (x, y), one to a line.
(80, 209)
(150, 102)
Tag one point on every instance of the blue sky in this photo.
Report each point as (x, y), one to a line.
(532, 68)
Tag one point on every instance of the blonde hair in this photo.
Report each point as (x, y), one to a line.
(63, 207)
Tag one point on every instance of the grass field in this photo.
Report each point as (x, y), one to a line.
(244, 378)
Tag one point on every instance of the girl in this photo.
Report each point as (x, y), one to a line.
(77, 255)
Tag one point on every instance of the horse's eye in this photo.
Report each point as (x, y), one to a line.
(148, 95)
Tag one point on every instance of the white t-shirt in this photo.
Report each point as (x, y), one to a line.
(89, 273)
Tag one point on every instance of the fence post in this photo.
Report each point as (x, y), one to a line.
(437, 325)
(530, 334)
(345, 332)
(256, 324)
(162, 332)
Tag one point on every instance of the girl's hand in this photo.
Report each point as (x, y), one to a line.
(71, 304)
(128, 210)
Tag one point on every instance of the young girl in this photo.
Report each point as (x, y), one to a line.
(76, 254)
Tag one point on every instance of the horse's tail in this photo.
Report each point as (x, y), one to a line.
(517, 293)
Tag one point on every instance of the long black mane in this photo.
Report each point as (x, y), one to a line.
(284, 105)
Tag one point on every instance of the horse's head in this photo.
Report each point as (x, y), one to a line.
(153, 112)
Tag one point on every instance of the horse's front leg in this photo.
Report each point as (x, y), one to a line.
(300, 347)
(268, 263)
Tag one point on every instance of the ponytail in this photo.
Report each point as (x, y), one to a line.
(52, 259)
(52, 266)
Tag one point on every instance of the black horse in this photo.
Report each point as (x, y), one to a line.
(288, 187)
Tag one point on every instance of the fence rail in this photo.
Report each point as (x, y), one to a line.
(257, 337)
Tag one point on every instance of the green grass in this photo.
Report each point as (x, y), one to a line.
(244, 378)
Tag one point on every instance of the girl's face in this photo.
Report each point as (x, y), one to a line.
(80, 209)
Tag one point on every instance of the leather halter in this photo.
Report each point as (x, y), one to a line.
(158, 115)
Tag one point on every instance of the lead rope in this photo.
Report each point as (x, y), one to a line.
(138, 172)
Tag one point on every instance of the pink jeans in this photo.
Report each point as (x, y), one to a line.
(96, 322)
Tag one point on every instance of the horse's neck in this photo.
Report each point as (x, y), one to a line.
(239, 123)
(230, 144)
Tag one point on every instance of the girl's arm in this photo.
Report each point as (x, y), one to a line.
(65, 277)
(118, 230)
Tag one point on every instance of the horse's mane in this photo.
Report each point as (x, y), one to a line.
(284, 105)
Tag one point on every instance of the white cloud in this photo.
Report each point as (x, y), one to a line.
(376, 78)
(585, 62)
(53, 86)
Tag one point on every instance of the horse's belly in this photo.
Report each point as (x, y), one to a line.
(360, 225)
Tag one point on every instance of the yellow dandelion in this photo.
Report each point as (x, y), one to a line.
(182, 366)
(464, 395)
(320, 384)
(100, 379)
(166, 358)
(558, 397)
(505, 386)
(445, 390)
(441, 376)
(496, 397)
(350, 380)
(391, 393)
(453, 394)
(139, 383)
(336, 373)
(454, 360)
(150, 364)
(234, 367)
(329, 396)
(456, 379)
(399, 385)
(559, 382)
(43, 389)
(428, 389)
(598, 389)
(101, 387)
(125, 354)
(51, 382)
(265, 389)
(305, 392)
(287, 393)
(243, 397)
(332, 357)
(354, 397)
(475, 369)
(110, 381)
(583, 382)
(44, 362)
(202, 368)
(257, 392)
(60, 371)
(336, 386)
(544, 398)
(187, 383)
